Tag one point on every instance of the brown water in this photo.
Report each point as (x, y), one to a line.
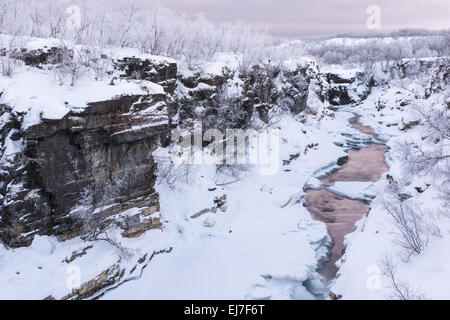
(340, 213)
(354, 122)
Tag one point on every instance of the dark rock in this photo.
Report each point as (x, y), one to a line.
(161, 72)
(410, 125)
(42, 56)
(106, 160)
(404, 196)
(338, 96)
(342, 160)
(334, 78)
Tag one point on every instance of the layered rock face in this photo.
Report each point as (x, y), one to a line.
(97, 162)
(93, 163)
(163, 73)
(342, 90)
(232, 99)
(99, 157)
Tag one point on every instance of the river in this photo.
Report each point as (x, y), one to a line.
(338, 212)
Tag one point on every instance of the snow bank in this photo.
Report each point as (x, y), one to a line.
(265, 245)
(387, 110)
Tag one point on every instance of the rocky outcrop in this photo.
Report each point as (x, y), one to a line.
(162, 72)
(89, 166)
(111, 278)
(440, 79)
(295, 82)
(346, 90)
(231, 100)
(209, 98)
(96, 162)
(38, 57)
(100, 157)
(157, 70)
(338, 93)
(259, 89)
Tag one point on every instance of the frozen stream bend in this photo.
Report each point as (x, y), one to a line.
(265, 244)
(344, 195)
(287, 245)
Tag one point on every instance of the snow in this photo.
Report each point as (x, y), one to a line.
(12, 147)
(376, 236)
(292, 64)
(357, 190)
(426, 272)
(133, 52)
(33, 43)
(47, 273)
(277, 261)
(313, 183)
(213, 256)
(30, 43)
(342, 71)
(359, 41)
(221, 61)
(263, 243)
(27, 92)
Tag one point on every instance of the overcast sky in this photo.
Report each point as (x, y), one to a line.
(296, 18)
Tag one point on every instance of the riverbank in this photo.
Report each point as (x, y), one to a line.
(338, 211)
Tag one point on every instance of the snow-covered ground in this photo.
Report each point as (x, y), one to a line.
(248, 239)
(262, 243)
(362, 273)
(265, 245)
(38, 93)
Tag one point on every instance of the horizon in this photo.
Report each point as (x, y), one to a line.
(305, 19)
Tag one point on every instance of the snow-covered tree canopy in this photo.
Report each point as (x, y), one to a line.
(157, 30)
(145, 25)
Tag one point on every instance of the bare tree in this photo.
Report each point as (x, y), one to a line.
(98, 53)
(151, 36)
(8, 51)
(145, 25)
(436, 121)
(64, 64)
(7, 62)
(99, 234)
(170, 172)
(434, 157)
(414, 230)
(117, 187)
(57, 22)
(37, 20)
(418, 161)
(95, 228)
(3, 13)
(128, 24)
(401, 290)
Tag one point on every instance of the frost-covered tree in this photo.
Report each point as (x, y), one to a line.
(414, 230)
(401, 290)
(141, 24)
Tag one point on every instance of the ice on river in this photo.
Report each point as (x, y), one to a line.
(356, 190)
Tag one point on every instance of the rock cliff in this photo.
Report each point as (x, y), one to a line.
(96, 162)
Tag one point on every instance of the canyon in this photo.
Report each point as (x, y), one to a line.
(85, 179)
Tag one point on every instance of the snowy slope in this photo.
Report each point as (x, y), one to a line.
(250, 237)
(265, 245)
(362, 273)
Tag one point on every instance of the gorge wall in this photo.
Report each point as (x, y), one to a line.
(71, 176)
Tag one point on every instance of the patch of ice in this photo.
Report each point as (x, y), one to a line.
(357, 190)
